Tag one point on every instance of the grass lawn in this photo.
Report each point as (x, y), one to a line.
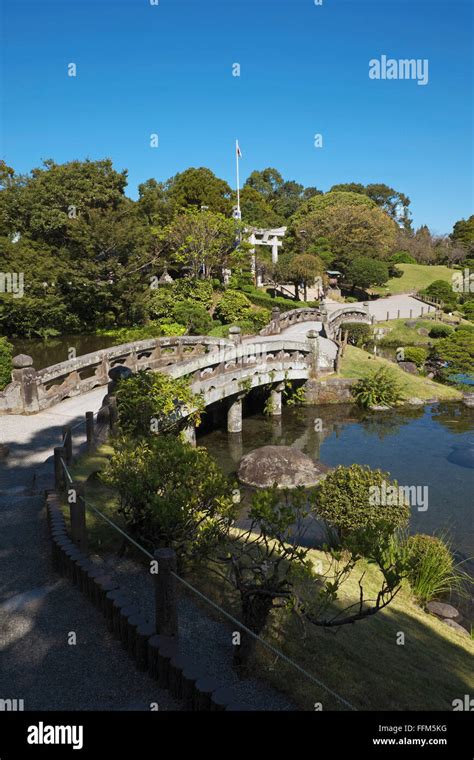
(415, 277)
(361, 662)
(401, 335)
(357, 363)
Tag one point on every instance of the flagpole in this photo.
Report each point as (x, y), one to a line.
(238, 177)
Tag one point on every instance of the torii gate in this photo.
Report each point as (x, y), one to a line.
(272, 237)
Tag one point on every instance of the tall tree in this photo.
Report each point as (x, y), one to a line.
(197, 188)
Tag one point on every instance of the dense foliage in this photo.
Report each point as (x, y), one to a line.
(171, 494)
(344, 500)
(430, 567)
(5, 362)
(152, 402)
(380, 388)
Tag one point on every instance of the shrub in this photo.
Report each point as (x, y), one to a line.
(416, 354)
(171, 328)
(431, 571)
(468, 310)
(161, 302)
(344, 499)
(233, 306)
(190, 289)
(380, 388)
(440, 331)
(442, 291)
(457, 350)
(359, 334)
(402, 257)
(171, 494)
(6, 353)
(194, 317)
(153, 402)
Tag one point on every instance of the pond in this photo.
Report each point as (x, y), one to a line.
(55, 350)
(431, 447)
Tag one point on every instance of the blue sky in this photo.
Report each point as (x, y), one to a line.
(167, 69)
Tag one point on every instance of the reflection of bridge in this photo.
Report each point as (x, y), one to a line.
(294, 346)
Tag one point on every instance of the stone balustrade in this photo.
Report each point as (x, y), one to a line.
(32, 391)
(203, 359)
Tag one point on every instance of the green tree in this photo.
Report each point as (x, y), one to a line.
(171, 495)
(201, 242)
(351, 222)
(364, 273)
(197, 188)
(301, 269)
(458, 351)
(463, 233)
(268, 565)
(442, 291)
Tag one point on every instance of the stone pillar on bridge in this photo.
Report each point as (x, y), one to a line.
(25, 374)
(276, 400)
(313, 339)
(275, 321)
(235, 335)
(234, 415)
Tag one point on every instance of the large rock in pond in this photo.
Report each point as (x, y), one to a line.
(281, 465)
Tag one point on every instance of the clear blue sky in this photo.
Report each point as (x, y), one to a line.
(167, 69)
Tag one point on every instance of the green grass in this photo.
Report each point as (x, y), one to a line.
(401, 335)
(415, 277)
(361, 662)
(357, 363)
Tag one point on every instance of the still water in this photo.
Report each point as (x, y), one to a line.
(432, 446)
(55, 350)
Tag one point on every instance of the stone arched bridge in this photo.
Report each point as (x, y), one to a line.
(218, 368)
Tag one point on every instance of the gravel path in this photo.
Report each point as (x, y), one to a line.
(207, 640)
(38, 610)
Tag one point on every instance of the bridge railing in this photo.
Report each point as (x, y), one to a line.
(280, 321)
(32, 391)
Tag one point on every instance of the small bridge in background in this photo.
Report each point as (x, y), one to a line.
(218, 368)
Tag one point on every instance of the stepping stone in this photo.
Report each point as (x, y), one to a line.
(456, 627)
(442, 610)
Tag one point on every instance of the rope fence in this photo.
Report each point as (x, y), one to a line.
(165, 597)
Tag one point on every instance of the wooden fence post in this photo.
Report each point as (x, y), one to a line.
(90, 430)
(166, 593)
(77, 510)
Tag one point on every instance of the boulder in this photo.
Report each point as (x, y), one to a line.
(415, 401)
(422, 331)
(284, 466)
(409, 367)
(442, 610)
(411, 323)
(456, 627)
